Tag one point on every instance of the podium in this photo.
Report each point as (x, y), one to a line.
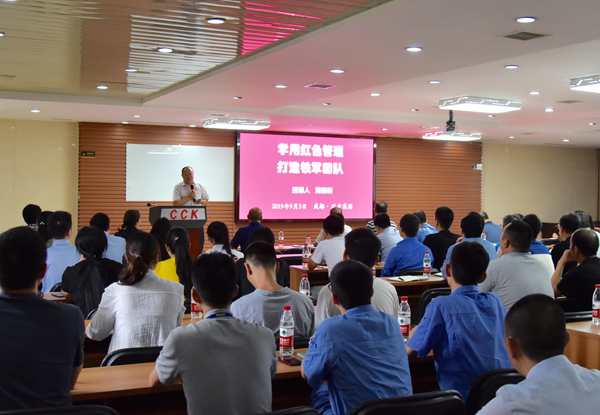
(191, 218)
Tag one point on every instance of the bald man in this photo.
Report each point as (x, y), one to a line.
(243, 234)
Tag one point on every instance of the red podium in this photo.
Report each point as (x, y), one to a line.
(192, 218)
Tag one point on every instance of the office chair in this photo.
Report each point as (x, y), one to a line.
(447, 402)
(425, 299)
(416, 272)
(91, 314)
(131, 356)
(71, 410)
(485, 387)
(573, 316)
(56, 287)
(298, 410)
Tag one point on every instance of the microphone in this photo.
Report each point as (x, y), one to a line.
(150, 204)
(192, 187)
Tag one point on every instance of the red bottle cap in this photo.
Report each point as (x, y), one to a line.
(426, 252)
(304, 275)
(597, 285)
(287, 307)
(404, 298)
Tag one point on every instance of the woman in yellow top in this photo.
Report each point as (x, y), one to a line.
(179, 267)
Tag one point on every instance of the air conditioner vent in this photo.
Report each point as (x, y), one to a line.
(524, 35)
(319, 86)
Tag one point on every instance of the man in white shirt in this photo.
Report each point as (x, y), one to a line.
(387, 234)
(362, 246)
(347, 229)
(535, 338)
(331, 249)
(189, 192)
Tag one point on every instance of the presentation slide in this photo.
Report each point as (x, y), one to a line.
(302, 177)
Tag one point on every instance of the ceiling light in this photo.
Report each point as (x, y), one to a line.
(434, 81)
(337, 71)
(2, 34)
(491, 115)
(511, 66)
(588, 84)
(452, 136)
(592, 123)
(280, 86)
(526, 19)
(566, 140)
(236, 123)
(124, 122)
(414, 49)
(215, 20)
(534, 93)
(136, 116)
(35, 110)
(384, 129)
(192, 125)
(102, 87)
(430, 127)
(237, 97)
(480, 104)
(415, 109)
(165, 50)
(131, 70)
(549, 109)
(327, 103)
(512, 136)
(375, 94)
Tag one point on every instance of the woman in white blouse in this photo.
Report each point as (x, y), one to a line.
(218, 237)
(141, 309)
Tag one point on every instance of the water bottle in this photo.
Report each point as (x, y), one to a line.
(286, 332)
(305, 285)
(196, 311)
(596, 306)
(483, 235)
(281, 238)
(427, 265)
(404, 318)
(305, 256)
(308, 241)
(374, 271)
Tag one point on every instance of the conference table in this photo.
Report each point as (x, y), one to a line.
(52, 297)
(584, 346)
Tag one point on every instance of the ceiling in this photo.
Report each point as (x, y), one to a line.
(56, 52)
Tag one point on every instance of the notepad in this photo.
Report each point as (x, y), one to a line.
(409, 278)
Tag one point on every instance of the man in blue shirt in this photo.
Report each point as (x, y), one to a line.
(408, 253)
(493, 232)
(357, 354)
(115, 248)
(464, 330)
(471, 227)
(243, 234)
(424, 228)
(387, 234)
(61, 254)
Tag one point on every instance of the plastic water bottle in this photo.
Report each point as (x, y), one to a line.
(308, 241)
(374, 271)
(596, 306)
(404, 318)
(483, 235)
(196, 312)
(305, 285)
(281, 238)
(427, 265)
(305, 256)
(286, 332)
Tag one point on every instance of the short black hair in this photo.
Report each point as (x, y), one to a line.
(381, 207)
(100, 221)
(22, 258)
(484, 215)
(538, 338)
(584, 219)
(352, 283)
(570, 222)
(519, 235)
(444, 216)
(262, 233)
(535, 223)
(363, 245)
(261, 254)
(215, 278)
(472, 225)
(586, 240)
(468, 262)
(410, 225)
(508, 219)
(421, 215)
(334, 224)
(59, 224)
(382, 220)
(31, 213)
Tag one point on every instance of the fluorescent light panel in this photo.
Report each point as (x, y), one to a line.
(587, 84)
(236, 123)
(480, 104)
(452, 136)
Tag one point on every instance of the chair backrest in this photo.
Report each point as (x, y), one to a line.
(73, 410)
(188, 307)
(56, 288)
(485, 387)
(91, 314)
(426, 298)
(416, 271)
(298, 410)
(131, 356)
(573, 316)
(447, 402)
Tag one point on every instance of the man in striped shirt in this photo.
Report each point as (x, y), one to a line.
(379, 207)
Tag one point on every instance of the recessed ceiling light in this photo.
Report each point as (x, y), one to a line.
(434, 81)
(415, 109)
(384, 129)
(280, 86)
(215, 20)
(35, 110)
(534, 93)
(102, 87)
(327, 103)
(124, 122)
(592, 123)
(131, 70)
(192, 125)
(511, 66)
(526, 19)
(491, 115)
(337, 71)
(414, 49)
(549, 109)
(237, 97)
(512, 136)
(566, 140)
(375, 94)
(163, 49)
(2, 34)
(480, 104)
(136, 116)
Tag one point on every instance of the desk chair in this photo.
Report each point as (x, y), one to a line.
(56, 287)
(485, 387)
(425, 299)
(447, 402)
(416, 272)
(573, 316)
(91, 314)
(131, 356)
(298, 410)
(72, 410)
(293, 261)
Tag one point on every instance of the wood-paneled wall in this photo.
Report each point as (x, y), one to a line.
(411, 174)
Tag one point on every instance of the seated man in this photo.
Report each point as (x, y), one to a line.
(464, 330)
(506, 220)
(347, 229)
(361, 246)
(331, 249)
(580, 282)
(379, 207)
(408, 253)
(517, 273)
(471, 228)
(115, 249)
(587, 223)
(387, 234)
(61, 254)
(567, 225)
(355, 357)
(424, 228)
(30, 215)
(538, 249)
(264, 306)
(225, 364)
(552, 385)
(439, 242)
(493, 231)
(242, 236)
(41, 347)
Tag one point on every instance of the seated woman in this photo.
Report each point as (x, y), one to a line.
(131, 219)
(141, 309)
(84, 282)
(159, 230)
(179, 267)
(218, 236)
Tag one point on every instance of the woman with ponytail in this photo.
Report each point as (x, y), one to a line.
(179, 267)
(131, 220)
(141, 309)
(84, 282)
(218, 236)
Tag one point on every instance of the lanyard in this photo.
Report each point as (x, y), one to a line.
(218, 315)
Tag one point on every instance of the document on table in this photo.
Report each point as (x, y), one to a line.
(409, 278)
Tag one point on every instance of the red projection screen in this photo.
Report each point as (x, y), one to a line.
(301, 177)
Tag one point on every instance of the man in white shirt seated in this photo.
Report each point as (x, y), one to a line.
(347, 229)
(387, 234)
(362, 246)
(331, 249)
(536, 337)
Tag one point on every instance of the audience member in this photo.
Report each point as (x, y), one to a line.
(84, 282)
(379, 207)
(361, 246)
(355, 357)
(567, 225)
(115, 249)
(409, 252)
(61, 254)
(42, 227)
(30, 215)
(439, 242)
(471, 227)
(587, 223)
(387, 234)
(159, 230)
(538, 249)
(264, 305)
(131, 219)
(332, 248)
(218, 237)
(517, 273)
(243, 234)
(347, 229)
(580, 282)
(465, 329)
(141, 309)
(225, 364)
(536, 337)
(506, 220)
(41, 347)
(493, 231)
(424, 228)
(179, 267)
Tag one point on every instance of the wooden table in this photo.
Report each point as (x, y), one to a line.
(50, 297)
(584, 347)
